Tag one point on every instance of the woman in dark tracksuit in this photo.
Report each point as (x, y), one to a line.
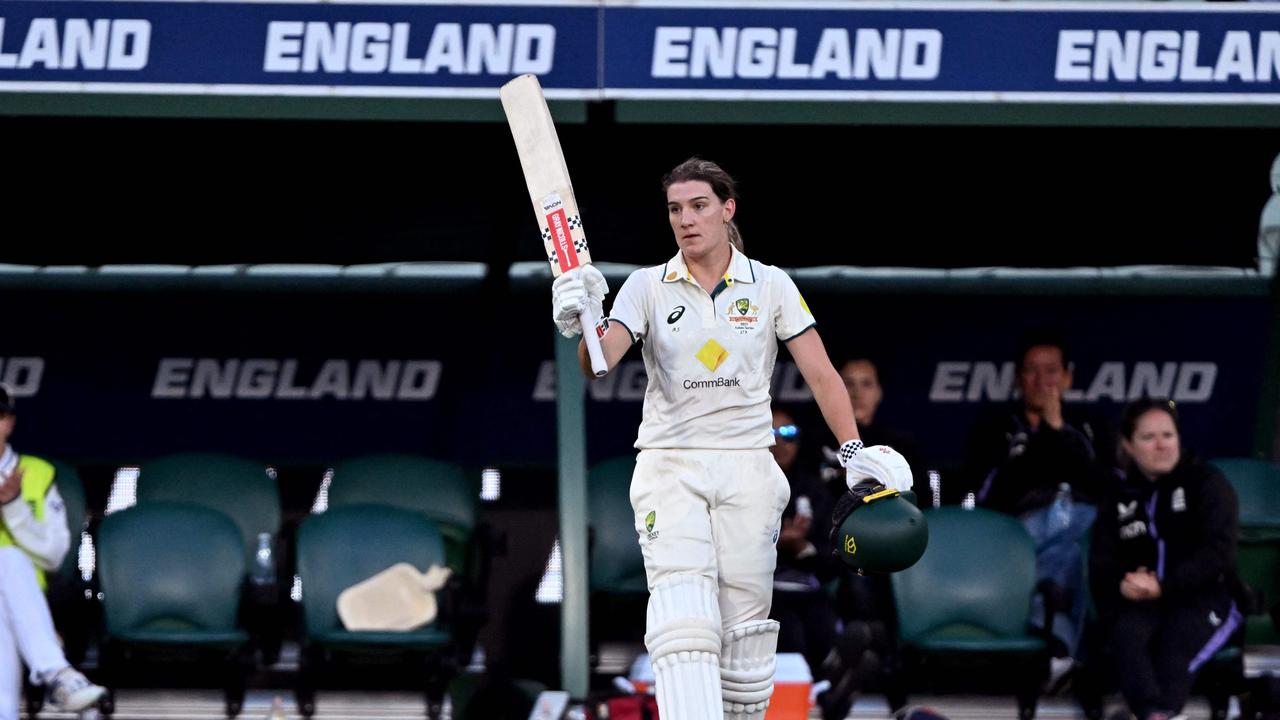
(1162, 564)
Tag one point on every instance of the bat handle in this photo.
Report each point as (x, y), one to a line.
(594, 351)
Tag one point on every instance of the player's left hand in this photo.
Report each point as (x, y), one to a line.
(879, 464)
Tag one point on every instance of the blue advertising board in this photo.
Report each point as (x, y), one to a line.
(965, 52)
(119, 377)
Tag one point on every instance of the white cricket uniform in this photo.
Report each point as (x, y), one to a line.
(707, 494)
(27, 634)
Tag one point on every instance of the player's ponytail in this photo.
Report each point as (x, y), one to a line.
(721, 182)
(735, 237)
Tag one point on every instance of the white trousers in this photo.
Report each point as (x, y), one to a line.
(715, 513)
(26, 631)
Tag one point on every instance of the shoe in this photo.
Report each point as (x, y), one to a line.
(1061, 671)
(71, 691)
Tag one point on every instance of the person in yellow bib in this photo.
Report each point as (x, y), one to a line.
(707, 494)
(34, 538)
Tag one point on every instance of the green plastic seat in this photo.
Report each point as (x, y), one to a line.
(441, 491)
(969, 597)
(171, 577)
(1257, 486)
(617, 565)
(70, 487)
(344, 546)
(233, 486)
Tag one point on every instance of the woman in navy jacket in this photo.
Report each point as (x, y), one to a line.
(1162, 563)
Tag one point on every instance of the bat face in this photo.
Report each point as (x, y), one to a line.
(545, 174)
(550, 190)
(562, 234)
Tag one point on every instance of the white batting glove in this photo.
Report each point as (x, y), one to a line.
(570, 294)
(879, 464)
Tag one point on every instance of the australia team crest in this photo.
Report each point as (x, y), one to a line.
(744, 315)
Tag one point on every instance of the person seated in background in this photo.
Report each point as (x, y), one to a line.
(1045, 463)
(1162, 563)
(34, 538)
(834, 650)
(862, 382)
(805, 560)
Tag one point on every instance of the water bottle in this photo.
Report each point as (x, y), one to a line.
(264, 569)
(1060, 511)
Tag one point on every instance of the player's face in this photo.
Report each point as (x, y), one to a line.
(1044, 376)
(698, 218)
(863, 385)
(1154, 446)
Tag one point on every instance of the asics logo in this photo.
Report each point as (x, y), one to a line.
(675, 315)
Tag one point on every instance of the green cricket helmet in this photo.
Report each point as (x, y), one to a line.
(885, 533)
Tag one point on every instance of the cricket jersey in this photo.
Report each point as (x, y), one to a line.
(709, 356)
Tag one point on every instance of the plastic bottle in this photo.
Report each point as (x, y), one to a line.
(1060, 511)
(264, 567)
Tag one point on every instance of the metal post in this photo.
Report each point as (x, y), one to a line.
(572, 437)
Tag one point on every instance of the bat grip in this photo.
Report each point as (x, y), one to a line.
(594, 351)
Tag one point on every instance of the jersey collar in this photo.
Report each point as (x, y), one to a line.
(739, 271)
(8, 461)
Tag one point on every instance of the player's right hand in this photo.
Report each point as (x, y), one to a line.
(570, 294)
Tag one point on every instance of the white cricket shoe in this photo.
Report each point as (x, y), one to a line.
(71, 691)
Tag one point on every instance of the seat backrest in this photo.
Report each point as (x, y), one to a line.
(71, 489)
(617, 564)
(975, 580)
(439, 490)
(1257, 485)
(169, 566)
(344, 545)
(235, 487)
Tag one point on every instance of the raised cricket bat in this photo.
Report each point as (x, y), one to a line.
(551, 191)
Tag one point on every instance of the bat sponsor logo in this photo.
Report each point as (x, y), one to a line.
(561, 236)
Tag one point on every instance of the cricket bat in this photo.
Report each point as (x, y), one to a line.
(551, 191)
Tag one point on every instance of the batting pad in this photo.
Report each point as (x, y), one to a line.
(398, 598)
(683, 637)
(746, 668)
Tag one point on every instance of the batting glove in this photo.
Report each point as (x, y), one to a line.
(878, 464)
(570, 294)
